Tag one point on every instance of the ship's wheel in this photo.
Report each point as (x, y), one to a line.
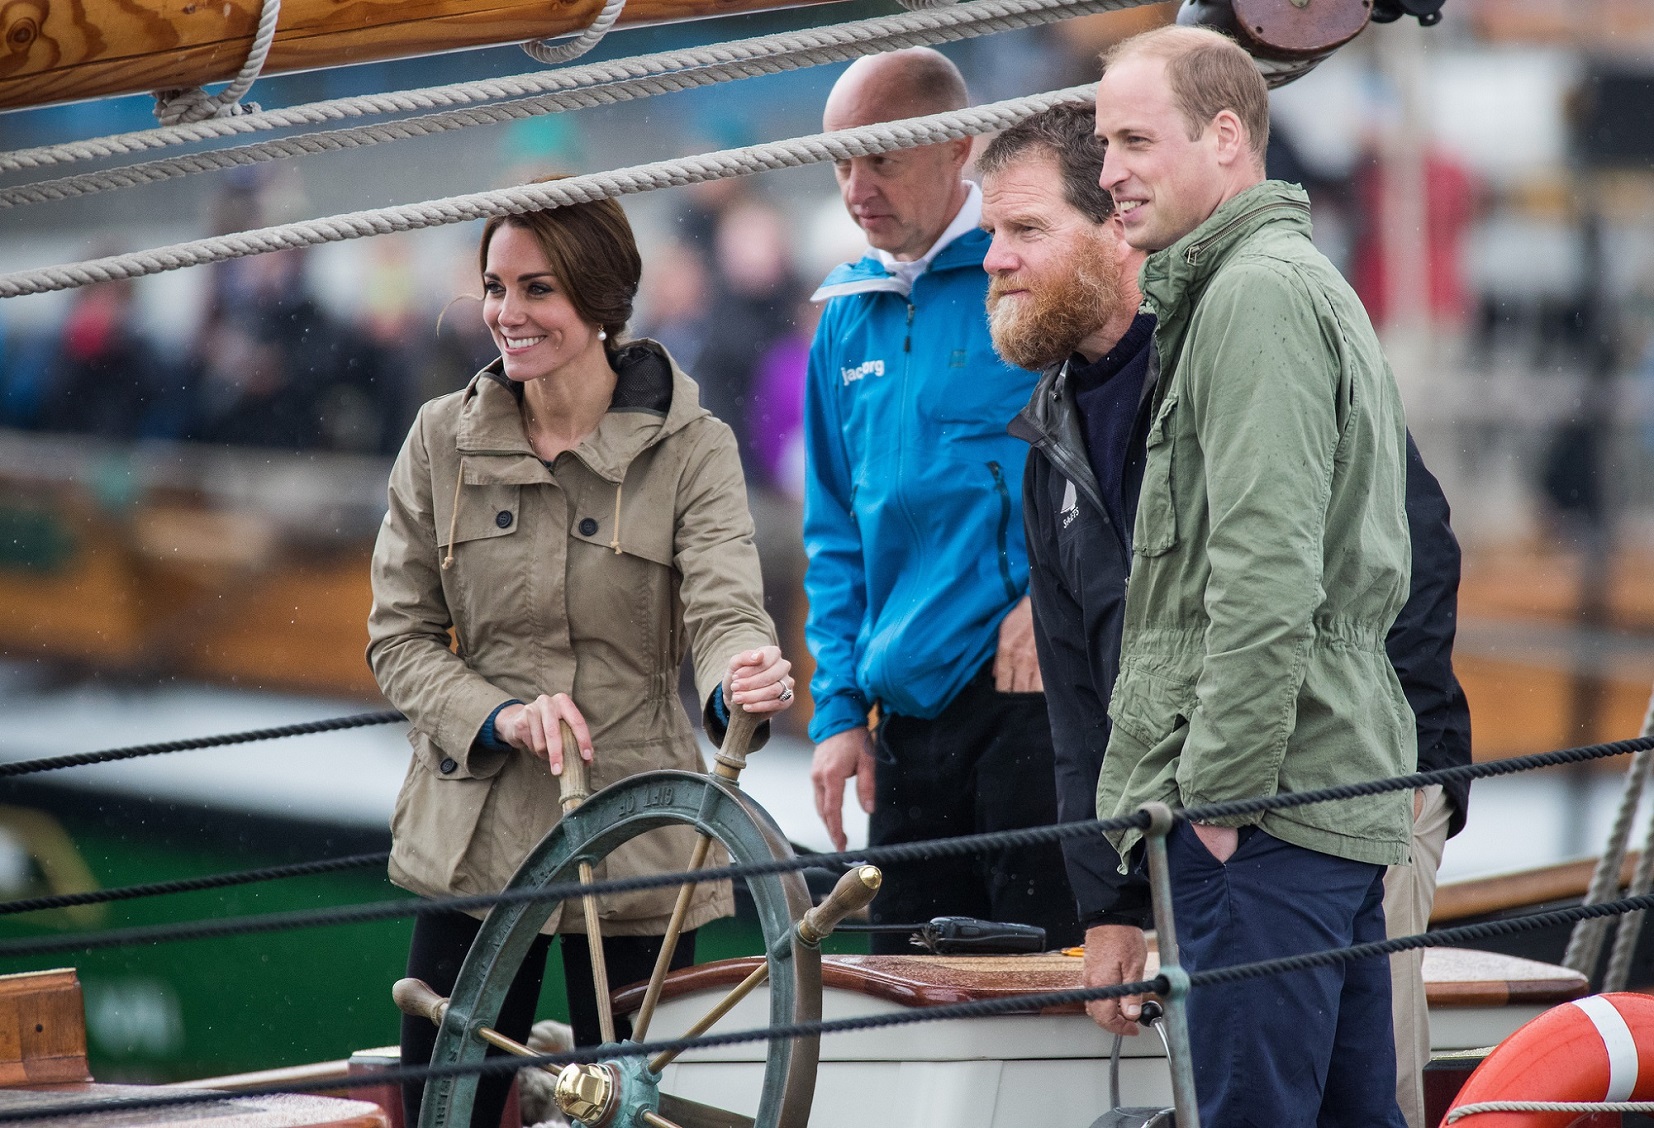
(623, 1092)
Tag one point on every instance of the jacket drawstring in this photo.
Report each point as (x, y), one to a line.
(614, 542)
(453, 520)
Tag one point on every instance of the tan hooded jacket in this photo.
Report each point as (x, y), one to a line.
(588, 578)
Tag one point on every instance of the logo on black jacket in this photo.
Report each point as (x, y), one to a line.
(1070, 504)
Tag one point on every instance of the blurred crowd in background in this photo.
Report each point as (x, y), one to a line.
(1517, 303)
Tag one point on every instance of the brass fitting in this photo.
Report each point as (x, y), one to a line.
(586, 1093)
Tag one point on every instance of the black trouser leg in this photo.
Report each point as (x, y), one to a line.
(628, 959)
(440, 941)
(984, 764)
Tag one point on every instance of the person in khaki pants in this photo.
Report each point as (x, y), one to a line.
(1420, 645)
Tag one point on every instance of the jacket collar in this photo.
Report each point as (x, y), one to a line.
(1051, 424)
(1172, 279)
(652, 399)
(870, 275)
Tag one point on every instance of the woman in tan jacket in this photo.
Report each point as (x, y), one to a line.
(577, 520)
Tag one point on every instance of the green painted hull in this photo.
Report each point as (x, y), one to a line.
(202, 1008)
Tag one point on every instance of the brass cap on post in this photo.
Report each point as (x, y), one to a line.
(852, 893)
(585, 1093)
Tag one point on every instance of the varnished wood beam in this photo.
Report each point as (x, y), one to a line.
(65, 50)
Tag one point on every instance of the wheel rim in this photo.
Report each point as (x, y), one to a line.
(609, 818)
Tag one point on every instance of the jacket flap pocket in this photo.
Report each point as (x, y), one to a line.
(1148, 704)
(1156, 531)
(1158, 427)
(642, 533)
(484, 512)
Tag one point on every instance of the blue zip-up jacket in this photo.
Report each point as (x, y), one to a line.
(913, 488)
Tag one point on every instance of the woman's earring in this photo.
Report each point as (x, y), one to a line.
(602, 334)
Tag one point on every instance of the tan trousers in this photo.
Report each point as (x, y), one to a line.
(1409, 892)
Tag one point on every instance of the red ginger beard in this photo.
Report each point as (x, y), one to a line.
(1075, 299)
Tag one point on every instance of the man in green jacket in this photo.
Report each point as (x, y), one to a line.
(1270, 557)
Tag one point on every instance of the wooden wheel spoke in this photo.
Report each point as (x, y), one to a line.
(669, 942)
(854, 891)
(604, 822)
(730, 762)
(575, 791)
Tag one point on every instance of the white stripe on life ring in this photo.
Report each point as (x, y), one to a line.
(1617, 1040)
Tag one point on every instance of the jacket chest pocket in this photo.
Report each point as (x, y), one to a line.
(1156, 532)
(483, 513)
(619, 598)
(481, 541)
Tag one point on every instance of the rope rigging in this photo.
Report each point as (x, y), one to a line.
(668, 71)
(192, 884)
(792, 153)
(903, 852)
(1585, 945)
(304, 728)
(976, 1009)
(196, 107)
(771, 54)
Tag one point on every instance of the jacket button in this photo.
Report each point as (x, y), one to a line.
(503, 518)
(448, 766)
(588, 527)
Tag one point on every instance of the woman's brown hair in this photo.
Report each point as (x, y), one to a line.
(593, 255)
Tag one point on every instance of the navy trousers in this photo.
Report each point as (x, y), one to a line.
(1312, 1049)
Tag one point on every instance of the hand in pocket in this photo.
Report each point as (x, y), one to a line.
(1220, 841)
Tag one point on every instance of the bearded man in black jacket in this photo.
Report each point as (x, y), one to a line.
(1063, 300)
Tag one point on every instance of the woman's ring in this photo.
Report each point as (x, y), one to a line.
(786, 692)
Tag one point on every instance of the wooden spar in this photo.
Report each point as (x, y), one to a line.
(65, 50)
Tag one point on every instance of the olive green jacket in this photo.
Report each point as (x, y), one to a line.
(1271, 550)
(589, 578)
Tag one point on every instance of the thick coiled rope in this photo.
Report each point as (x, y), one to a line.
(192, 104)
(793, 153)
(768, 54)
(755, 57)
(554, 52)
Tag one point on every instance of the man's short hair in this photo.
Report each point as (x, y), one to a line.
(1067, 133)
(925, 82)
(1208, 72)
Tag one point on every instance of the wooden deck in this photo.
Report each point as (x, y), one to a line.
(1453, 977)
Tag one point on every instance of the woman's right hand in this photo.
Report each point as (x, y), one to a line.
(533, 728)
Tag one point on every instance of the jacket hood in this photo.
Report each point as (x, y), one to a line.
(653, 398)
(1171, 279)
(868, 275)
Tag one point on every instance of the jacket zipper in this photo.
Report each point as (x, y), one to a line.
(1193, 250)
(907, 340)
(1004, 529)
(1073, 466)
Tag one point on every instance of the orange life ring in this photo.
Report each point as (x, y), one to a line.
(1599, 1048)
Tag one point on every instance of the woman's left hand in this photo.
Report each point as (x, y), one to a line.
(758, 681)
